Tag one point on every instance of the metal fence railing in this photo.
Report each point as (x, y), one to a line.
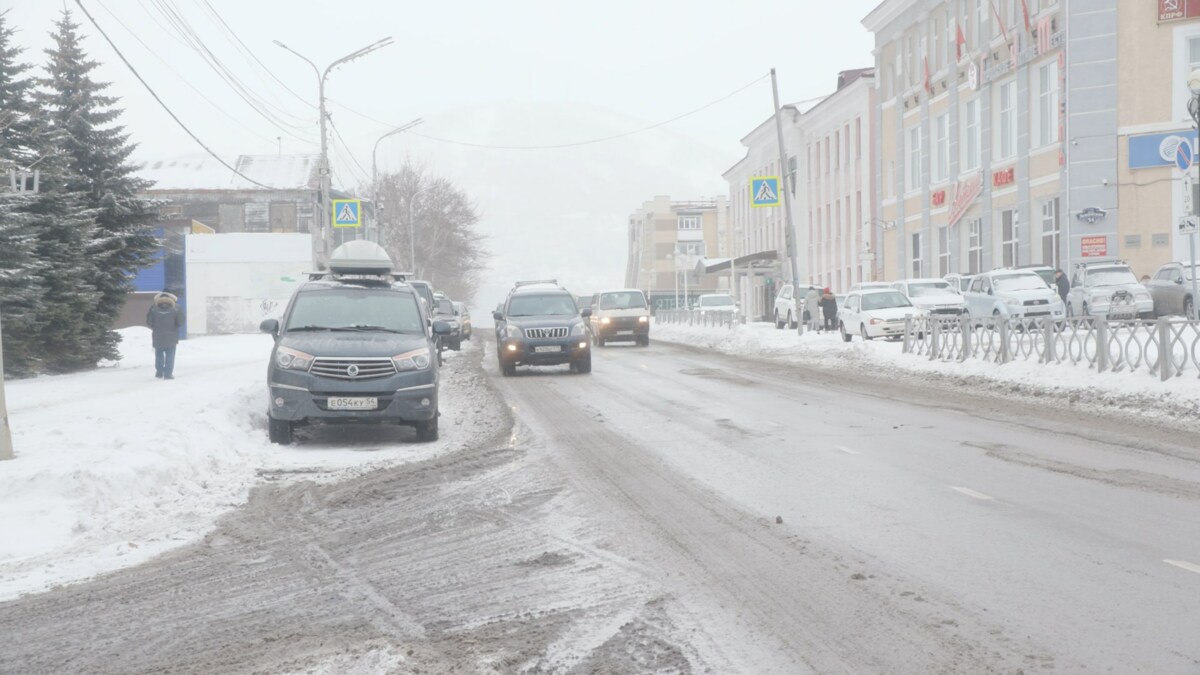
(1164, 348)
(694, 317)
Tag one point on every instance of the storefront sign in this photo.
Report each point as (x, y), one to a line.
(1094, 247)
(1154, 150)
(938, 198)
(1176, 10)
(1004, 177)
(965, 193)
(1092, 215)
(993, 69)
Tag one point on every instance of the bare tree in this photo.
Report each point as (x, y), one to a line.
(447, 250)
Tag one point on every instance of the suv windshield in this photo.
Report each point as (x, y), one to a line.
(356, 309)
(547, 304)
(1110, 276)
(930, 288)
(884, 300)
(1019, 282)
(622, 300)
(716, 301)
(444, 306)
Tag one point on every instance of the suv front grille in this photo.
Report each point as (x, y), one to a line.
(1034, 303)
(542, 333)
(352, 368)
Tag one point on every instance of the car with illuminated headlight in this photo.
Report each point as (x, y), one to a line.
(539, 324)
(1108, 290)
(620, 316)
(356, 344)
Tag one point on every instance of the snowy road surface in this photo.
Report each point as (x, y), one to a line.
(679, 511)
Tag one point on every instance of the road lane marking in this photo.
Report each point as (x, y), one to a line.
(846, 450)
(1182, 564)
(971, 493)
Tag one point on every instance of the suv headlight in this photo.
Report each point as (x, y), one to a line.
(512, 331)
(580, 329)
(643, 319)
(1013, 302)
(417, 359)
(1100, 297)
(604, 321)
(292, 359)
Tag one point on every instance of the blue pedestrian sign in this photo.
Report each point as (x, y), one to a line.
(1184, 156)
(764, 191)
(347, 213)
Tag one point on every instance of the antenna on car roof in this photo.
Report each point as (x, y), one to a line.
(535, 281)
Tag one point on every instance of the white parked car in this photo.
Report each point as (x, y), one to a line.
(789, 306)
(867, 285)
(961, 282)
(716, 304)
(1109, 290)
(1012, 293)
(935, 296)
(875, 312)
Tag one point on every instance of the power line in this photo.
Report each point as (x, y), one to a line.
(346, 145)
(160, 101)
(594, 140)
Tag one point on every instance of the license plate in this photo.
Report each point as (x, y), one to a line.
(352, 403)
(547, 349)
(624, 332)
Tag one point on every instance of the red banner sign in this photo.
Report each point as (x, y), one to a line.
(938, 198)
(1177, 10)
(965, 192)
(1004, 177)
(1094, 247)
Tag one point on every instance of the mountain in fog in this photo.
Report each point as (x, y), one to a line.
(561, 213)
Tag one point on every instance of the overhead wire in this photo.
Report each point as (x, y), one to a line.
(165, 107)
(346, 146)
(185, 80)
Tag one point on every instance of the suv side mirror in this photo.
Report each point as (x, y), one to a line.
(441, 328)
(497, 316)
(1179, 280)
(269, 326)
(585, 312)
(989, 292)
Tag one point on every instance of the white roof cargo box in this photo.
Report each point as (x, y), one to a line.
(360, 257)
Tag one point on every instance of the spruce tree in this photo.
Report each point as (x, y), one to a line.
(21, 290)
(96, 149)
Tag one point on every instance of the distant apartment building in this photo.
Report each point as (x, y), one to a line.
(671, 243)
(973, 169)
(838, 179)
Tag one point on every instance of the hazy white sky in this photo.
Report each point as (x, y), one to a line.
(647, 59)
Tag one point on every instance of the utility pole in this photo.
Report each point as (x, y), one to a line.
(375, 167)
(6, 448)
(321, 245)
(1194, 109)
(789, 234)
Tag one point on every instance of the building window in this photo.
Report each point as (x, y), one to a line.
(258, 217)
(694, 249)
(916, 255)
(837, 149)
(1051, 253)
(914, 158)
(1158, 240)
(1010, 237)
(858, 137)
(935, 51)
(792, 172)
(1048, 104)
(981, 19)
(943, 251)
(975, 247)
(941, 153)
(846, 142)
(689, 222)
(1008, 119)
(971, 139)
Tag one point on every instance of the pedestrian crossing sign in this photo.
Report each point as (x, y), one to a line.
(764, 191)
(347, 213)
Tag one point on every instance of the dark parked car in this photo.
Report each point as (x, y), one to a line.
(464, 319)
(443, 310)
(1171, 289)
(354, 346)
(539, 324)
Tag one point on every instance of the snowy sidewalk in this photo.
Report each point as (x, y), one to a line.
(115, 466)
(1060, 384)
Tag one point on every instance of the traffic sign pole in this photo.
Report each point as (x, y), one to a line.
(6, 449)
(789, 234)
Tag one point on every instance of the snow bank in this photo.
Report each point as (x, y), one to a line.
(1060, 384)
(115, 466)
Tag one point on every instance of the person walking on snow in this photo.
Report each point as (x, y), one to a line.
(811, 308)
(829, 309)
(1062, 284)
(163, 320)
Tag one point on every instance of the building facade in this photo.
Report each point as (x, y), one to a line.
(972, 163)
(838, 179)
(671, 243)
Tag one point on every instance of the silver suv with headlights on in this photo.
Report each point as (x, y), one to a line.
(355, 345)
(1108, 290)
(540, 325)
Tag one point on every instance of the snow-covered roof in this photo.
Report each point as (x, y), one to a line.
(253, 247)
(204, 172)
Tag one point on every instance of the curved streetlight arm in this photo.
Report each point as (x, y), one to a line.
(316, 71)
(393, 132)
(379, 44)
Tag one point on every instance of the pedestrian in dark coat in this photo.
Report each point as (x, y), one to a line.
(164, 322)
(1064, 286)
(829, 309)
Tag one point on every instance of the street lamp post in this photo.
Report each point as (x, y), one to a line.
(412, 230)
(375, 163)
(1194, 109)
(321, 252)
(674, 277)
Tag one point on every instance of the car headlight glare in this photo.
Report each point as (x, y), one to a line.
(604, 321)
(417, 359)
(292, 359)
(513, 331)
(643, 319)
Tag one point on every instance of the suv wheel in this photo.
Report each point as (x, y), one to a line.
(584, 365)
(778, 323)
(846, 337)
(791, 322)
(507, 368)
(1189, 308)
(279, 431)
(644, 340)
(863, 329)
(599, 342)
(428, 429)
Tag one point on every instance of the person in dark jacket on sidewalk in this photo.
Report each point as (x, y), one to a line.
(829, 309)
(1062, 284)
(164, 322)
